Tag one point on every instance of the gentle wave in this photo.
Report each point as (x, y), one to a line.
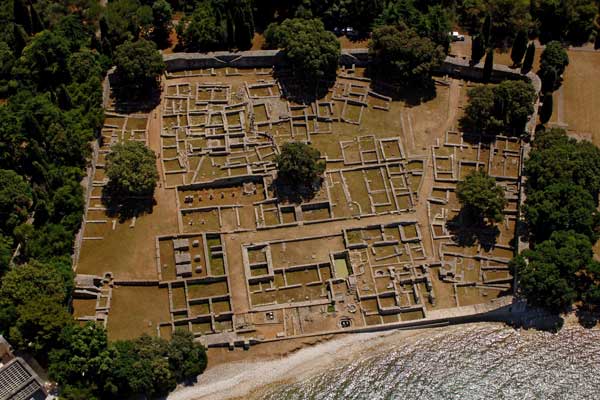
(475, 362)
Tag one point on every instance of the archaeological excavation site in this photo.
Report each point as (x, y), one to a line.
(381, 244)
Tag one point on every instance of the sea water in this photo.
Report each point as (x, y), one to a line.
(463, 362)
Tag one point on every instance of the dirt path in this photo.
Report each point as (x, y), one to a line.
(428, 179)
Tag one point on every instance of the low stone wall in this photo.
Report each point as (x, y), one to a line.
(453, 66)
(248, 59)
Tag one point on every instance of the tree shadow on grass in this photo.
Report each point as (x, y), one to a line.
(301, 91)
(411, 94)
(128, 100)
(468, 230)
(124, 207)
(289, 193)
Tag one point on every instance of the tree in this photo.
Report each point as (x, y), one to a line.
(131, 169)
(480, 195)
(432, 22)
(550, 80)
(514, 104)
(32, 282)
(528, 60)
(84, 358)
(570, 20)
(139, 65)
(557, 158)
(142, 366)
(479, 113)
(310, 50)
(488, 66)
(200, 32)
(549, 278)
(6, 253)
(519, 48)
(38, 326)
(22, 15)
(186, 357)
(44, 61)
(299, 165)
(553, 61)
(502, 108)
(546, 109)
(497, 19)
(399, 54)
(542, 286)
(162, 14)
(477, 49)
(561, 206)
(15, 200)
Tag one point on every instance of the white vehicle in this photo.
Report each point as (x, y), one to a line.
(457, 37)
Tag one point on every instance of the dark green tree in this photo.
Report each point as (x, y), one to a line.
(6, 244)
(142, 366)
(557, 158)
(22, 15)
(139, 65)
(546, 109)
(488, 66)
(543, 286)
(299, 165)
(33, 282)
(201, 31)
(528, 60)
(477, 49)
(553, 61)
(399, 54)
(551, 277)
(84, 358)
(186, 357)
(38, 327)
(131, 169)
(310, 50)
(15, 200)
(519, 48)
(481, 196)
(432, 22)
(36, 22)
(502, 108)
(162, 14)
(561, 206)
(44, 61)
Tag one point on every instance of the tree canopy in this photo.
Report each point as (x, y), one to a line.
(480, 195)
(553, 61)
(503, 108)
(131, 169)
(139, 65)
(400, 54)
(550, 277)
(299, 165)
(217, 25)
(15, 200)
(310, 51)
(561, 212)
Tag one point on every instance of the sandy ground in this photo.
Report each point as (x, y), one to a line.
(249, 379)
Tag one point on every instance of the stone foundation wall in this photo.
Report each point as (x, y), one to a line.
(454, 66)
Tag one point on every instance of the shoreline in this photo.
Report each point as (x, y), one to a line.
(248, 379)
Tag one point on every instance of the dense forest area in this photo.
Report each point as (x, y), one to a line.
(54, 55)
